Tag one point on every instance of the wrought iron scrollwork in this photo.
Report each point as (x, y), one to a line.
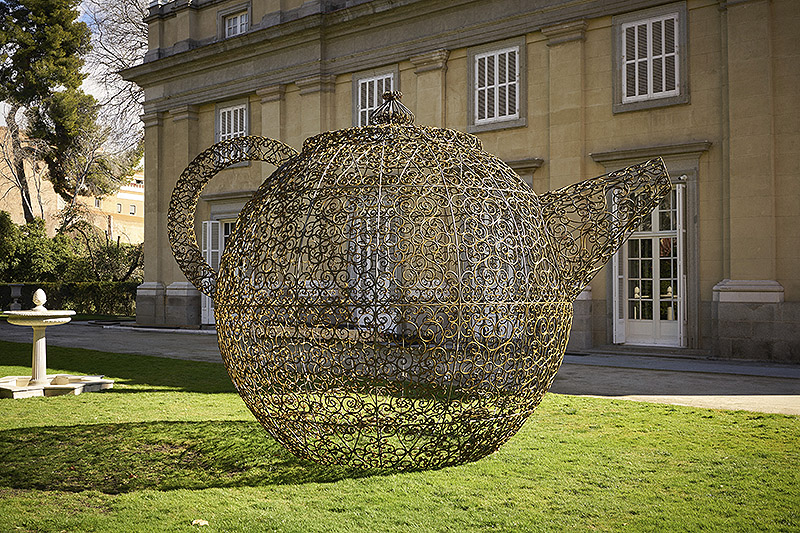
(180, 219)
(394, 296)
(589, 221)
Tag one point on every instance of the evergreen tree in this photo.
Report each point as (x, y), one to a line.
(42, 45)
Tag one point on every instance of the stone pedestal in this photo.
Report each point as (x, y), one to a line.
(182, 305)
(150, 303)
(750, 320)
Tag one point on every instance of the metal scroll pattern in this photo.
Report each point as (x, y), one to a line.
(180, 221)
(393, 298)
(589, 221)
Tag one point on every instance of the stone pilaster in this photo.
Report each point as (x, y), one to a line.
(183, 147)
(317, 109)
(567, 80)
(150, 294)
(751, 150)
(431, 92)
(580, 337)
(273, 113)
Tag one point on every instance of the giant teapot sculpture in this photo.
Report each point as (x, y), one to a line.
(395, 297)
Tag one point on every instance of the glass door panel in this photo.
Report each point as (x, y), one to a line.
(651, 279)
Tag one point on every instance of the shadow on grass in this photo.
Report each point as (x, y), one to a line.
(119, 458)
(127, 369)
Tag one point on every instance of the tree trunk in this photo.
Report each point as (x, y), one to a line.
(18, 160)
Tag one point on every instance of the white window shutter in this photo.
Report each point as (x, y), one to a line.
(211, 248)
(232, 122)
(650, 59)
(496, 86)
(370, 95)
(480, 87)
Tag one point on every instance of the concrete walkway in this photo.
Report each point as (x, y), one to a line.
(751, 386)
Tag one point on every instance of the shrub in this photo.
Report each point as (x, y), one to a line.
(92, 298)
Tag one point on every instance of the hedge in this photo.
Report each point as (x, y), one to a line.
(89, 298)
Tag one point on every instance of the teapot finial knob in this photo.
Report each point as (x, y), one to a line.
(392, 111)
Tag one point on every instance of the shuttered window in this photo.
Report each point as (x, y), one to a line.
(650, 58)
(496, 86)
(236, 24)
(232, 122)
(370, 92)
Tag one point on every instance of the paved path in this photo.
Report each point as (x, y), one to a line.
(752, 386)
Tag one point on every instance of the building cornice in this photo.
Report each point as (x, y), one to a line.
(231, 195)
(151, 119)
(318, 83)
(355, 38)
(273, 93)
(183, 112)
(565, 32)
(664, 150)
(436, 60)
(526, 166)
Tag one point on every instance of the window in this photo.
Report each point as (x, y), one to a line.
(496, 82)
(650, 58)
(368, 89)
(119, 208)
(235, 24)
(97, 202)
(497, 86)
(370, 95)
(232, 122)
(133, 209)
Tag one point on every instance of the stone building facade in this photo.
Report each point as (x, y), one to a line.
(120, 215)
(562, 90)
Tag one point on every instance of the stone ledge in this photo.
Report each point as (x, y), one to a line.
(748, 291)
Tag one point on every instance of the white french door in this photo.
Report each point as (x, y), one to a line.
(215, 234)
(650, 279)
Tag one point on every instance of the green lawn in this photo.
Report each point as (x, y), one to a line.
(172, 443)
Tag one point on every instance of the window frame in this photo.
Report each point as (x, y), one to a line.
(132, 209)
(234, 11)
(119, 208)
(237, 25)
(220, 108)
(619, 24)
(225, 106)
(366, 76)
(475, 125)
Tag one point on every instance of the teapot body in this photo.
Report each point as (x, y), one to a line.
(391, 304)
(394, 296)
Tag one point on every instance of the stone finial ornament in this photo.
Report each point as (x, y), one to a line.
(39, 299)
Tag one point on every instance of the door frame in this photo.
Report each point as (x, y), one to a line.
(682, 160)
(620, 280)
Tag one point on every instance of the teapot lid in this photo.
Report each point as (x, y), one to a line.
(392, 120)
(392, 111)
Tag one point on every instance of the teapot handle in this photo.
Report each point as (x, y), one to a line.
(182, 206)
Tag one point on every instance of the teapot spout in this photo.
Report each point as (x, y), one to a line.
(589, 221)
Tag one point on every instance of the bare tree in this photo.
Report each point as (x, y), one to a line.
(92, 170)
(21, 168)
(119, 41)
